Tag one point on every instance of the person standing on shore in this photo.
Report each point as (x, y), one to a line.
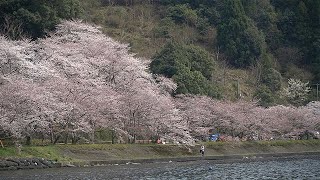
(202, 150)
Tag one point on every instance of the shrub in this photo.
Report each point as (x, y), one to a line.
(190, 66)
(272, 79)
(182, 14)
(265, 96)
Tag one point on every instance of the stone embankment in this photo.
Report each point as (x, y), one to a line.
(27, 163)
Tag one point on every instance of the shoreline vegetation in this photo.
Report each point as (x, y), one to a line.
(82, 155)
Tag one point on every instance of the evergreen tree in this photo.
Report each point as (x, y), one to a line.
(299, 22)
(190, 66)
(265, 96)
(272, 79)
(34, 18)
(238, 37)
(265, 18)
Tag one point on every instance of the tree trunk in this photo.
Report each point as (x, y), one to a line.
(1, 144)
(28, 140)
(56, 139)
(18, 147)
(112, 136)
(66, 138)
(74, 138)
(42, 138)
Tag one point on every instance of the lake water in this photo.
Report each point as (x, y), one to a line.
(308, 168)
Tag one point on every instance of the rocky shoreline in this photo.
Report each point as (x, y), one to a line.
(26, 163)
(40, 163)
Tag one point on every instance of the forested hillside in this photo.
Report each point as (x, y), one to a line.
(180, 69)
(253, 47)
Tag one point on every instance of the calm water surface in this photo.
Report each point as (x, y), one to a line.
(279, 169)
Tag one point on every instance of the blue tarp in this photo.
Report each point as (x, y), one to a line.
(214, 137)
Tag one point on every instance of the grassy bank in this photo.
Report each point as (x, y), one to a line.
(98, 152)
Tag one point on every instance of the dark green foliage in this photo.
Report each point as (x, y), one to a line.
(265, 96)
(194, 82)
(299, 22)
(67, 9)
(34, 18)
(190, 66)
(238, 37)
(210, 13)
(175, 56)
(202, 25)
(265, 17)
(193, 3)
(164, 28)
(182, 14)
(190, 82)
(166, 61)
(104, 135)
(316, 71)
(272, 79)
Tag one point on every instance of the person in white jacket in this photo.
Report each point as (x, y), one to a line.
(202, 150)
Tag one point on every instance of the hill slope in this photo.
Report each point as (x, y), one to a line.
(271, 34)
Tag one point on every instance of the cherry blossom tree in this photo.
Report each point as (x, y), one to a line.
(297, 91)
(246, 119)
(79, 79)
